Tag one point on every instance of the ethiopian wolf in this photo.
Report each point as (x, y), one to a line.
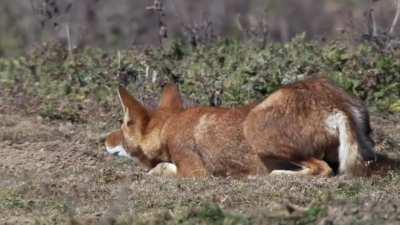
(310, 127)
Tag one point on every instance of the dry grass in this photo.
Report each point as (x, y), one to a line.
(56, 173)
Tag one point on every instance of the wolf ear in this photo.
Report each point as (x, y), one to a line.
(134, 111)
(171, 98)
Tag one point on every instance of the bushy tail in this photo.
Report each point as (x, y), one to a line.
(354, 148)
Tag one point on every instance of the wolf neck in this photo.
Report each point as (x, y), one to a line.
(151, 144)
(151, 141)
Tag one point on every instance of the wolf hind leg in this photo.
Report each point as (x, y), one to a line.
(312, 166)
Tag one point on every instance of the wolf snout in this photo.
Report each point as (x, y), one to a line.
(118, 151)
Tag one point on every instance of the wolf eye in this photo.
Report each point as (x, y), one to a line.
(129, 123)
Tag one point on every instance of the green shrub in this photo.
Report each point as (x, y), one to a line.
(237, 72)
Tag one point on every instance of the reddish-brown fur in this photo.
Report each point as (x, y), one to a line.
(287, 128)
(141, 128)
(114, 139)
(289, 124)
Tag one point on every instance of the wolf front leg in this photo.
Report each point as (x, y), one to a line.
(164, 169)
(190, 164)
(186, 167)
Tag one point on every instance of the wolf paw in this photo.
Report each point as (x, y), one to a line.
(164, 169)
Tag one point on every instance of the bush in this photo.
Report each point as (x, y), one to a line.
(233, 72)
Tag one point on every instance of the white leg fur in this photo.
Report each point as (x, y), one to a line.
(305, 171)
(164, 169)
(338, 125)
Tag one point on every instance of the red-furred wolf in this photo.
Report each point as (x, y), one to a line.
(311, 125)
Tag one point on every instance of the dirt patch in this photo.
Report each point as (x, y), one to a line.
(55, 172)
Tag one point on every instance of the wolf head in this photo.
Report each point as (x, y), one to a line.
(139, 135)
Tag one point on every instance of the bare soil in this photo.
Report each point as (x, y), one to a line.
(56, 172)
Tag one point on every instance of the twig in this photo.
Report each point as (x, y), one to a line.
(396, 17)
(158, 8)
(372, 31)
(119, 60)
(67, 30)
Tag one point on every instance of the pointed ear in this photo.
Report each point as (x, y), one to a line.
(132, 108)
(123, 96)
(171, 98)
